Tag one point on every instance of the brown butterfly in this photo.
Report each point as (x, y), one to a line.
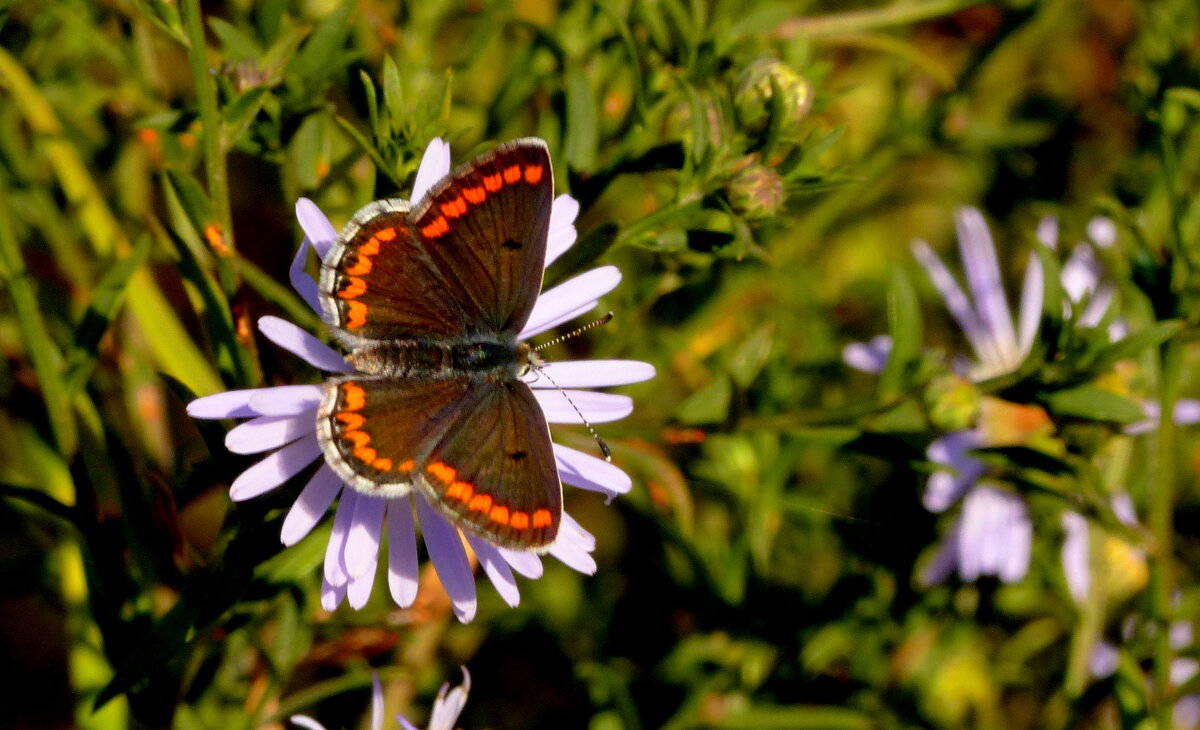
(429, 298)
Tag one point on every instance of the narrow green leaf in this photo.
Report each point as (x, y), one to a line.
(235, 45)
(316, 59)
(1094, 404)
(240, 113)
(904, 327)
(106, 300)
(581, 136)
(393, 94)
(45, 357)
(1130, 346)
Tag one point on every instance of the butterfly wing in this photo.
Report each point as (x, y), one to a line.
(374, 430)
(465, 260)
(478, 448)
(493, 472)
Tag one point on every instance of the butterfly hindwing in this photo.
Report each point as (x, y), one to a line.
(493, 472)
(485, 227)
(375, 430)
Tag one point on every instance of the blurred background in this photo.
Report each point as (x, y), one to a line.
(758, 172)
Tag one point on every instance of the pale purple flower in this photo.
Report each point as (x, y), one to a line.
(284, 418)
(1105, 658)
(446, 708)
(1076, 548)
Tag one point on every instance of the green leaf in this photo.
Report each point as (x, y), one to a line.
(1094, 404)
(320, 56)
(581, 136)
(235, 45)
(904, 326)
(393, 95)
(240, 113)
(1130, 346)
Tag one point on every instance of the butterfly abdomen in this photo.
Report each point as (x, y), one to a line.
(437, 360)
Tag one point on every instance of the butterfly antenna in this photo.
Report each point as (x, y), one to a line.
(599, 441)
(603, 320)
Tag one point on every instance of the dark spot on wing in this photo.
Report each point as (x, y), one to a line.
(517, 455)
(511, 245)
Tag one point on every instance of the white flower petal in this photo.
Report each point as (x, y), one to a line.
(403, 569)
(449, 706)
(376, 702)
(938, 569)
(983, 278)
(286, 400)
(588, 472)
(525, 563)
(589, 374)
(362, 542)
(358, 592)
(331, 595)
(275, 469)
(573, 546)
(569, 296)
(268, 432)
(869, 357)
(595, 407)
(1102, 232)
(1047, 232)
(306, 722)
(562, 233)
(435, 165)
(566, 316)
(312, 504)
(335, 565)
(303, 345)
(953, 296)
(497, 570)
(1076, 567)
(449, 559)
(316, 226)
(1033, 292)
(230, 404)
(304, 284)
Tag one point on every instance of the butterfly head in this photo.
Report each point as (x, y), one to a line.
(528, 359)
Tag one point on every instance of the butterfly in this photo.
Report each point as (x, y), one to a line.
(429, 298)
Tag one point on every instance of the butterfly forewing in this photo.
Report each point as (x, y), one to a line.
(485, 227)
(378, 283)
(493, 472)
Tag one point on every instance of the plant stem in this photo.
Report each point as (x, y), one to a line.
(859, 21)
(1162, 502)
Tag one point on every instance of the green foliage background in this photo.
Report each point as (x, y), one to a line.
(763, 572)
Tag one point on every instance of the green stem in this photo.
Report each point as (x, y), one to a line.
(1162, 503)
(873, 19)
(214, 152)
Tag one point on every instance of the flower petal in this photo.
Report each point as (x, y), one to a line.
(497, 569)
(589, 374)
(938, 569)
(316, 226)
(1033, 292)
(449, 559)
(435, 165)
(403, 568)
(304, 284)
(362, 542)
(286, 400)
(566, 316)
(869, 357)
(303, 345)
(275, 469)
(230, 404)
(335, 565)
(268, 432)
(306, 722)
(588, 472)
(954, 298)
(376, 702)
(569, 296)
(358, 592)
(595, 407)
(449, 706)
(1075, 564)
(312, 504)
(525, 563)
(944, 487)
(983, 278)
(1102, 232)
(562, 233)
(574, 545)
(331, 595)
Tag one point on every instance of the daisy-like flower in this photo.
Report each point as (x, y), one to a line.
(446, 708)
(993, 534)
(284, 421)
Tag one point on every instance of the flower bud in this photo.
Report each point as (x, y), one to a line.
(753, 97)
(953, 402)
(755, 190)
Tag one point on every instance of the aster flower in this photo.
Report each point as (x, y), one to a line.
(284, 421)
(446, 708)
(1105, 658)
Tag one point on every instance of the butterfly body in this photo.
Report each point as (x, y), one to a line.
(430, 298)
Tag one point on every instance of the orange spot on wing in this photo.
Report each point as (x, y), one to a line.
(499, 514)
(480, 503)
(352, 421)
(512, 174)
(437, 228)
(460, 490)
(365, 453)
(541, 518)
(451, 209)
(370, 248)
(382, 464)
(442, 472)
(533, 174)
(519, 520)
(474, 196)
(385, 234)
(355, 287)
(362, 266)
(493, 182)
(356, 315)
(358, 438)
(406, 465)
(354, 396)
